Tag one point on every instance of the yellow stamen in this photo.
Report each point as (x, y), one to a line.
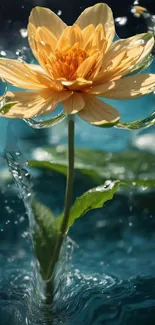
(65, 64)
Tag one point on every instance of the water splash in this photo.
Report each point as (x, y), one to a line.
(37, 312)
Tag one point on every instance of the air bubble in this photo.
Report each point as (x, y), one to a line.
(121, 21)
(23, 32)
(2, 53)
(59, 13)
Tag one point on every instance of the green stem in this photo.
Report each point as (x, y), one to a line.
(70, 177)
(68, 201)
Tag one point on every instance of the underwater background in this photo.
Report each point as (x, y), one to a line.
(108, 273)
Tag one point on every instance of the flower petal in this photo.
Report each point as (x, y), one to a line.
(77, 84)
(32, 104)
(126, 88)
(23, 75)
(46, 39)
(98, 14)
(44, 79)
(43, 17)
(88, 35)
(31, 30)
(124, 55)
(97, 112)
(45, 43)
(73, 104)
(100, 38)
(86, 67)
(71, 34)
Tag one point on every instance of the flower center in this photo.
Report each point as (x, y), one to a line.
(65, 64)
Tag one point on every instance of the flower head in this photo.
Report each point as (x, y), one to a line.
(76, 65)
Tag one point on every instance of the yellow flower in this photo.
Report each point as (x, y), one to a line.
(77, 64)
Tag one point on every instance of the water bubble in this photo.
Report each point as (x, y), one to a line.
(130, 208)
(26, 277)
(7, 54)
(2, 53)
(59, 13)
(121, 21)
(23, 32)
(8, 209)
(24, 54)
(7, 222)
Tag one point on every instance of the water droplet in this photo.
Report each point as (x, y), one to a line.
(59, 13)
(23, 32)
(2, 53)
(8, 54)
(121, 21)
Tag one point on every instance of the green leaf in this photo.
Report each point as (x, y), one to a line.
(139, 124)
(140, 182)
(6, 107)
(46, 124)
(44, 237)
(93, 199)
(60, 168)
(130, 166)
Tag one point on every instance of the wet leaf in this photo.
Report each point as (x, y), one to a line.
(130, 166)
(139, 124)
(6, 107)
(93, 199)
(44, 237)
(60, 168)
(46, 124)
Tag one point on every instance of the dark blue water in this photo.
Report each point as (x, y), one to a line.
(110, 263)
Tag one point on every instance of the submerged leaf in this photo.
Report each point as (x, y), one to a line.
(44, 237)
(93, 199)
